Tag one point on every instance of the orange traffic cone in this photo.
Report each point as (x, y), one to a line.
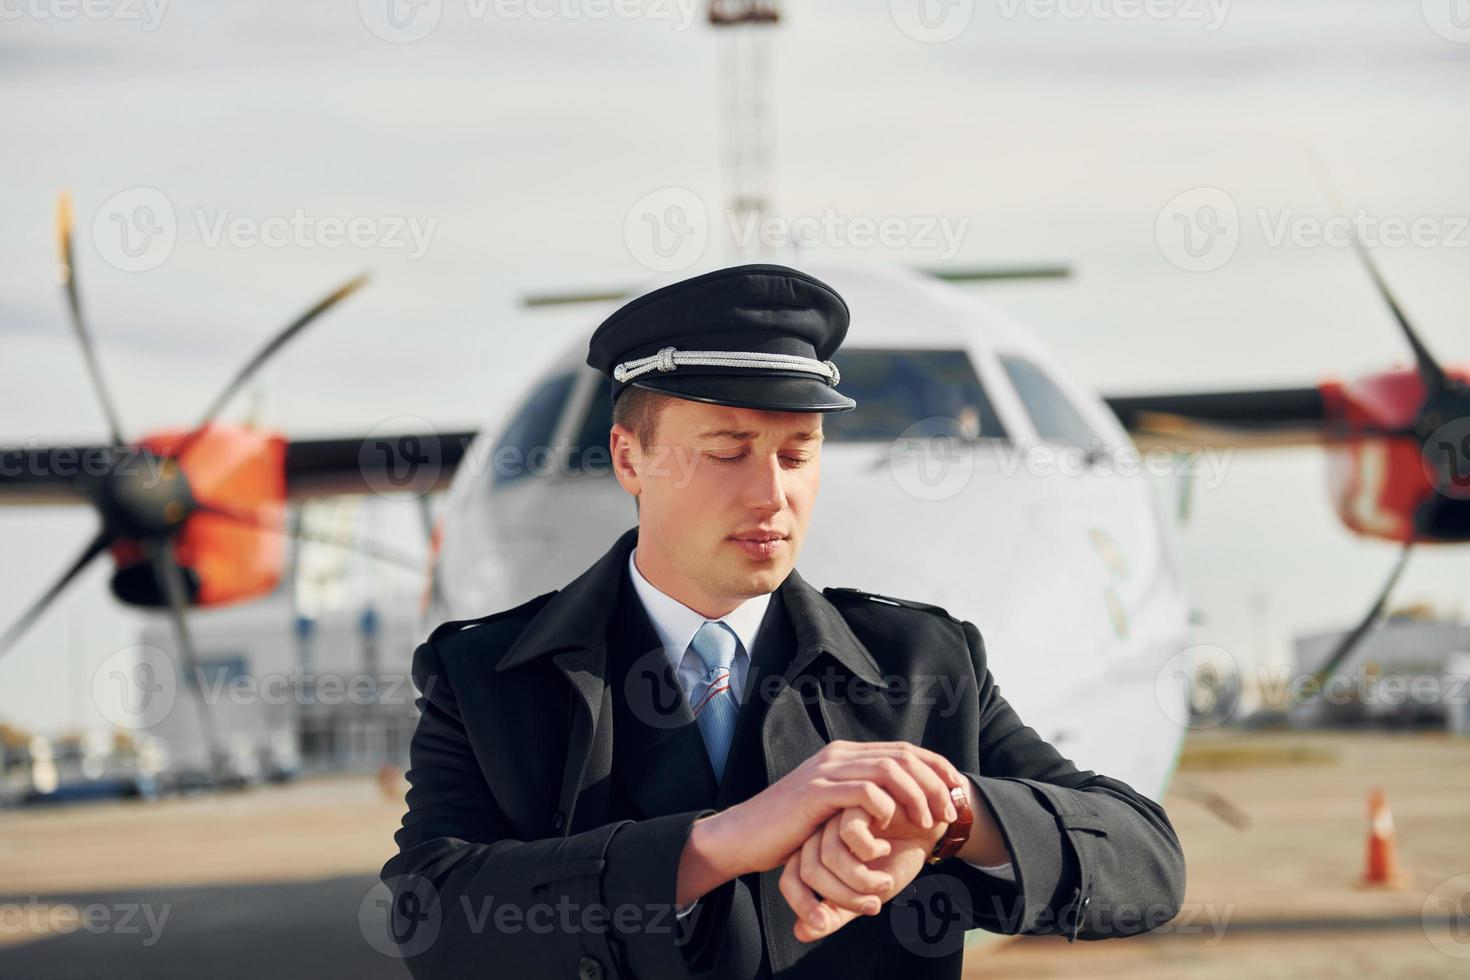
(1383, 856)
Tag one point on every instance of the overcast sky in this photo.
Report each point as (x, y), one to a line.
(516, 144)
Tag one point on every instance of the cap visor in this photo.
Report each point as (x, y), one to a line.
(766, 392)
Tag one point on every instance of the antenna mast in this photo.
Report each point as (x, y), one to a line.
(745, 89)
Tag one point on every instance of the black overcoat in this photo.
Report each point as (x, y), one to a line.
(555, 773)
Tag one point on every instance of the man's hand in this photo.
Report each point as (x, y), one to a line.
(851, 867)
(886, 781)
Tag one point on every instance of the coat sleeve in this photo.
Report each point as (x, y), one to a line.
(469, 898)
(1092, 857)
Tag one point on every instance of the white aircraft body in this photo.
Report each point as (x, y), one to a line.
(1069, 570)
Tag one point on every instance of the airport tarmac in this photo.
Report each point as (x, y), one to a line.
(271, 882)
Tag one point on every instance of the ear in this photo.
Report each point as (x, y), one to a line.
(627, 458)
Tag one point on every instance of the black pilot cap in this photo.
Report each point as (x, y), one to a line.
(751, 336)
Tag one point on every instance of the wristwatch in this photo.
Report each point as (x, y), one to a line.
(954, 838)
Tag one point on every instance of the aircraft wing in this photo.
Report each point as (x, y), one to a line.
(354, 464)
(32, 475)
(1262, 419)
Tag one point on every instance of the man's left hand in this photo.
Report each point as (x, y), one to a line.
(848, 868)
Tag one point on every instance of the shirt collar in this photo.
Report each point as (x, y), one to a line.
(676, 623)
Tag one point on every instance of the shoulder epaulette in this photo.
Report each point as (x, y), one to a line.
(846, 592)
(455, 625)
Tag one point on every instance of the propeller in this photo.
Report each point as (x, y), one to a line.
(1445, 398)
(135, 508)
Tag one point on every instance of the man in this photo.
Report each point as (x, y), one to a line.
(689, 763)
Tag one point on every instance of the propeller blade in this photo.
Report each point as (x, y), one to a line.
(266, 353)
(1350, 642)
(94, 548)
(171, 584)
(1429, 369)
(368, 549)
(66, 273)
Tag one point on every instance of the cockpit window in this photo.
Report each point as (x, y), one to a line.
(910, 392)
(590, 452)
(1053, 414)
(524, 448)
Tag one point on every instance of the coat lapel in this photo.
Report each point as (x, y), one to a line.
(789, 737)
(572, 628)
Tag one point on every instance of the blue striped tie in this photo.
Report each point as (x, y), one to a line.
(714, 704)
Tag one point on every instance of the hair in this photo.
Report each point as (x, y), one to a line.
(639, 409)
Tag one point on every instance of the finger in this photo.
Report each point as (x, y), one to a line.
(835, 918)
(933, 785)
(890, 773)
(814, 918)
(803, 901)
(837, 795)
(844, 865)
(853, 828)
(934, 760)
(817, 877)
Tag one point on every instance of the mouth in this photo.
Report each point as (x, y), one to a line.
(763, 545)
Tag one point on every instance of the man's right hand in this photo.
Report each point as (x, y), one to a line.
(760, 833)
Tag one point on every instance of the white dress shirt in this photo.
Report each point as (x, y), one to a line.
(676, 625)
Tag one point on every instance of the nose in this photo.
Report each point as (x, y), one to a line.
(766, 489)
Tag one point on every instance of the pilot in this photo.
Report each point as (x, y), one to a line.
(689, 762)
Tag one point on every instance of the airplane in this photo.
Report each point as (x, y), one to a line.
(932, 491)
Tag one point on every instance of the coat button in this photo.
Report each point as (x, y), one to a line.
(589, 969)
(557, 820)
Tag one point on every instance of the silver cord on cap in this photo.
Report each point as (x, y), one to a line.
(669, 358)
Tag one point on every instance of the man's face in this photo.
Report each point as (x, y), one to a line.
(715, 481)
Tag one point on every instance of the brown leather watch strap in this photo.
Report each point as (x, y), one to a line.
(954, 838)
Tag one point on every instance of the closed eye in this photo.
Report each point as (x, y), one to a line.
(793, 461)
